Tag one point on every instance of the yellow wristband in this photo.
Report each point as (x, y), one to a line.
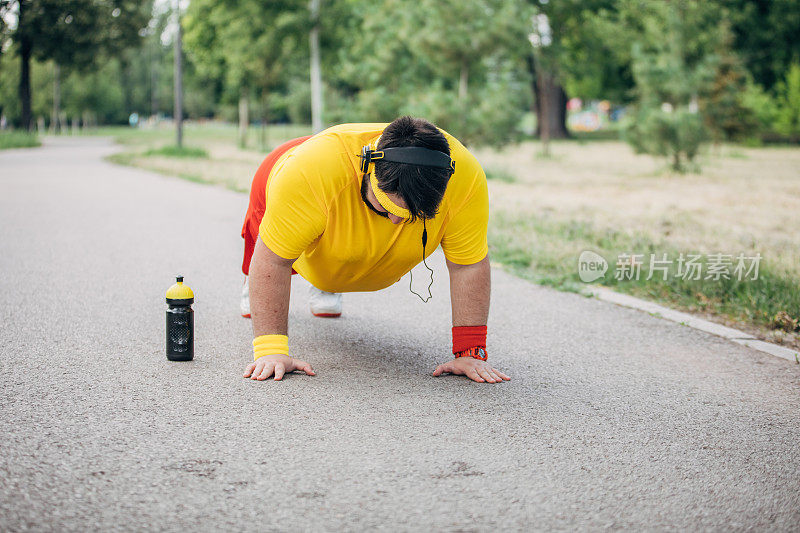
(270, 345)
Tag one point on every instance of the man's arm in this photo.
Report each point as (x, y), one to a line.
(270, 286)
(470, 290)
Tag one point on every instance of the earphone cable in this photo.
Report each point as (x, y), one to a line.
(411, 273)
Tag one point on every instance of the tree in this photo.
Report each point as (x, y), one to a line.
(73, 33)
(766, 36)
(230, 41)
(722, 105)
(315, 74)
(788, 120)
(178, 75)
(455, 63)
(570, 49)
(674, 63)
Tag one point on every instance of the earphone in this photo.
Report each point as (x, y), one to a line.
(411, 155)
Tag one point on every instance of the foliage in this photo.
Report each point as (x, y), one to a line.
(765, 36)
(722, 105)
(75, 34)
(459, 64)
(230, 45)
(583, 53)
(763, 107)
(465, 64)
(787, 121)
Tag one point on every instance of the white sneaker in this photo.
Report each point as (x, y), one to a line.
(244, 304)
(324, 304)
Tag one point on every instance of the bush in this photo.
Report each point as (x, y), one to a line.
(762, 105)
(676, 134)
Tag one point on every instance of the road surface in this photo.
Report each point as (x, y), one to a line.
(613, 418)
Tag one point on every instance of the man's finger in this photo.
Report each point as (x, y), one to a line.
(485, 375)
(280, 369)
(304, 366)
(495, 376)
(473, 375)
(500, 374)
(249, 370)
(257, 369)
(444, 367)
(267, 372)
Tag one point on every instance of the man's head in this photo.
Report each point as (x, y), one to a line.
(420, 188)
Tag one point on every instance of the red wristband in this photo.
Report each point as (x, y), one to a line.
(466, 337)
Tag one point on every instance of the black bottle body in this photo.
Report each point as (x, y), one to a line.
(180, 333)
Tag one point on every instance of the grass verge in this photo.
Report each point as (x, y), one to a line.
(135, 160)
(497, 174)
(172, 150)
(18, 139)
(546, 251)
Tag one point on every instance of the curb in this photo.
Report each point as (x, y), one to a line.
(739, 337)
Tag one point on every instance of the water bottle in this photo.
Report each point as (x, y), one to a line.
(180, 322)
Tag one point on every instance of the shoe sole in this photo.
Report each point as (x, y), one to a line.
(327, 315)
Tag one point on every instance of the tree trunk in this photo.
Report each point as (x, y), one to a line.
(549, 103)
(153, 83)
(178, 77)
(463, 80)
(244, 118)
(54, 125)
(316, 77)
(127, 86)
(25, 51)
(676, 162)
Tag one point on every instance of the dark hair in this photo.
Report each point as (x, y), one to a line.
(421, 187)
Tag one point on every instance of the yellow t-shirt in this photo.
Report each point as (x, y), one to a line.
(315, 213)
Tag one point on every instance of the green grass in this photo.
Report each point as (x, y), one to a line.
(500, 175)
(18, 139)
(203, 135)
(608, 134)
(171, 150)
(546, 251)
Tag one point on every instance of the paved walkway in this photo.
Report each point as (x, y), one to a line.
(613, 418)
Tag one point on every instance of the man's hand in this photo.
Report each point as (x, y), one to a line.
(266, 365)
(474, 369)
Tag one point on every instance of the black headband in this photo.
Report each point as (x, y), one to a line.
(414, 155)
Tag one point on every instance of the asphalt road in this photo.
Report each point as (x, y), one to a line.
(613, 418)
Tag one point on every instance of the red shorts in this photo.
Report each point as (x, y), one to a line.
(258, 190)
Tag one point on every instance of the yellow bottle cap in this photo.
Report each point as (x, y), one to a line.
(179, 291)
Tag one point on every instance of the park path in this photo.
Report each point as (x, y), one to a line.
(613, 418)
